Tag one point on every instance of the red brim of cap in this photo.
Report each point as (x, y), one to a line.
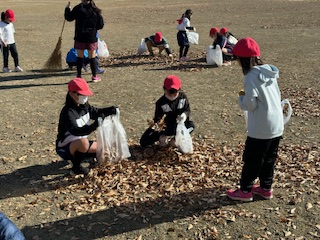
(176, 87)
(85, 92)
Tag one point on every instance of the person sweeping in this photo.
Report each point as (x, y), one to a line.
(88, 21)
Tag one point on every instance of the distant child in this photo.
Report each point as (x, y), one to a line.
(158, 41)
(225, 46)
(172, 107)
(232, 40)
(7, 41)
(183, 27)
(75, 125)
(262, 99)
(71, 59)
(88, 20)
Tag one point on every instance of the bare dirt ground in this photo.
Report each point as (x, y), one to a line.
(161, 194)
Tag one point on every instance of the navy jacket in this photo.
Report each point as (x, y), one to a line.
(87, 22)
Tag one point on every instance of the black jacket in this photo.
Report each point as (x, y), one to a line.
(73, 119)
(172, 109)
(87, 22)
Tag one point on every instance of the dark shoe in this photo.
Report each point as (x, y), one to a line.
(79, 170)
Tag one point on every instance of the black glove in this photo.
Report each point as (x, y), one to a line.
(110, 111)
(101, 115)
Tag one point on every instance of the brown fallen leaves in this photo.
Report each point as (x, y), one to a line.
(304, 102)
(198, 178)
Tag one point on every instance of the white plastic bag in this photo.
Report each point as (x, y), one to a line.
(214, 56)
(142, 48)
(232, 40)
(111, 140)
(245, 114)
(103, 50)
(287, 111)
(193, 37)
(183, 139)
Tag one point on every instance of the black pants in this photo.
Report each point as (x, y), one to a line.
(14, 53)
(259, 158)
(149, 137)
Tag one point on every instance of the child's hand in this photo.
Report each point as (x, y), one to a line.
(182, 118)
(241, 93)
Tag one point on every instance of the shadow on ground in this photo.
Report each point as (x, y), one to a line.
(33, 179)
(129, 217)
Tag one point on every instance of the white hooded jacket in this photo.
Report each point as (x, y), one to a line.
(262, 100)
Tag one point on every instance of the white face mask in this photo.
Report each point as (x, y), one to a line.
(82, 99)
(171, 98)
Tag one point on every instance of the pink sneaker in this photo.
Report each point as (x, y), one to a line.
(96, 79)
(266, 194)
(240, 195)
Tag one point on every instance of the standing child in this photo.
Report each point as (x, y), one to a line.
(88, 20)
(74, 125)
(7, 41)
(262, 99)
(172, 107)
(183, 27)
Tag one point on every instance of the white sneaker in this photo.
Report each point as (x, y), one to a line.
(6, 70)
(18, 69)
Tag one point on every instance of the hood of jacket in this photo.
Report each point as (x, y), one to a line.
(266, 72)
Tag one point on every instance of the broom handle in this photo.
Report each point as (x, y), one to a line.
(62, 27)
(64, 23)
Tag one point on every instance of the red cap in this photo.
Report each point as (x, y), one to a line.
(10, 15)
(213, 31)
(158, 37)
(80, 86)
(172, 81)
(223, 30)
(246, 47)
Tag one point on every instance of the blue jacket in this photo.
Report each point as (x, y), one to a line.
(9, 231)
(72, 55)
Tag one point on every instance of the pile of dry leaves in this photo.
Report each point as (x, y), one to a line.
(200, 178)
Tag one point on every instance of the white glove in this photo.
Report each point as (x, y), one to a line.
(194, 29)
(182, 118)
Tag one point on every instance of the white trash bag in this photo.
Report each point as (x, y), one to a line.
(287, 110)
(142, 48)
(183, 139)
(103, 50)
(214, 56)
(245, 114)
(193, 37)
(232, 40)
(112, 142)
